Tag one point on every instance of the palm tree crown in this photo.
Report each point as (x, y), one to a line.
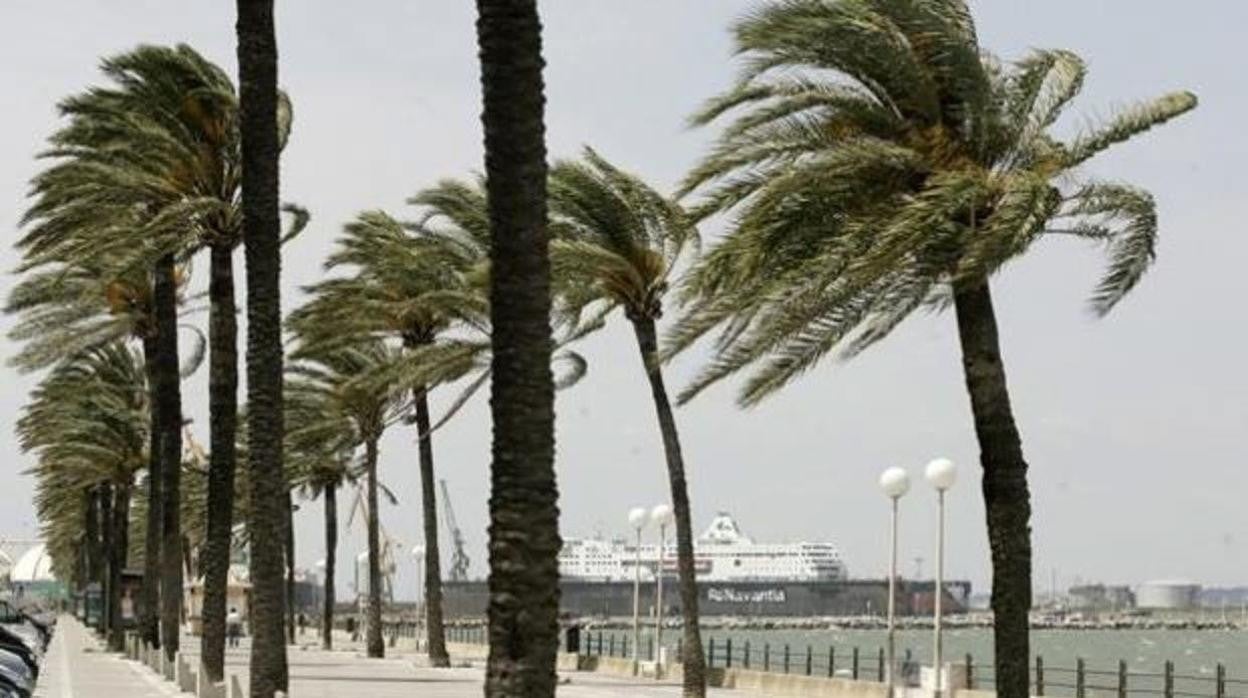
(879, 157)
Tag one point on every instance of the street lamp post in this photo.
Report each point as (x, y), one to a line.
(941, 473)
(662, 516)
(895, 483)
(637, 519)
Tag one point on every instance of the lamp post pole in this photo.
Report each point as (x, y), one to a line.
(941, 473)
(637, 517)
(940, 586)
(895, 483)
(661, 515)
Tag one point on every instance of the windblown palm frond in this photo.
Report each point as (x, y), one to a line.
(874, 158)
(87, 424)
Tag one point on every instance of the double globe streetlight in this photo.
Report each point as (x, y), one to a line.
(638, 517)
(895, 483)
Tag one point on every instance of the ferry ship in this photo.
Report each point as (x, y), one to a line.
(736, 577)
(722, 554)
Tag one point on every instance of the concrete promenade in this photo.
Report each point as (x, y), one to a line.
(77, 667)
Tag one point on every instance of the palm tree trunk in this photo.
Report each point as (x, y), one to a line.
(376, 646)
(438, 655)
(692, 659)
(149, 593)
(92, 548)
(223, 418)
(524, 513)
(257, 67)
(331, 554)
(1004, 485)
(169, 399)
(290, 570)
(119, 546)
(105, 495)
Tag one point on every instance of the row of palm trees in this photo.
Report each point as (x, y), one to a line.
(875, 161)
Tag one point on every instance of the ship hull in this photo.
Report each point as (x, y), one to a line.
(755, 598)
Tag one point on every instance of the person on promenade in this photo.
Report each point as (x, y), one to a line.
(233, 626)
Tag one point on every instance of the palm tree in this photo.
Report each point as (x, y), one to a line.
(881, 161)
(414, 285)
(319, 447)
(524, 515)
(88, 423)
(616, 244)
(260, 147)
(174, 116)
(329, 380)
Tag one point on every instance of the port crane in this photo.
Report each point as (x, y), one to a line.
(459, 557)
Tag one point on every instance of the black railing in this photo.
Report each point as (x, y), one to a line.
(869, 664)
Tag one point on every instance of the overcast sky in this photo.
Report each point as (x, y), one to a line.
(1134, 426)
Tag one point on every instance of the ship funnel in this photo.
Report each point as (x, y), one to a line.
(724, 529)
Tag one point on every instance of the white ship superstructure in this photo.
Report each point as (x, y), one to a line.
(722, 554)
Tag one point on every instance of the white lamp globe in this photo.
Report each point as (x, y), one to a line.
(941, 473)
(637, 517)
(661, 515)
(895, 482)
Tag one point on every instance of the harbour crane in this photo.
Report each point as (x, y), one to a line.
(459, 557)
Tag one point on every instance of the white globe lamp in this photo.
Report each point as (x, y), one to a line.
(941, 473)
(637, 517)
(661, 515)
(895, 482)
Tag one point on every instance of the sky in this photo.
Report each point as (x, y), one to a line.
(1133, 425)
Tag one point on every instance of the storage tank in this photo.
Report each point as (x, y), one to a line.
(1168, 594)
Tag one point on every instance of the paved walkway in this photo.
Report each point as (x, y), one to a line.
(77, 667)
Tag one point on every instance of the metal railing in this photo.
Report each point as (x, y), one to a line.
(869, 664)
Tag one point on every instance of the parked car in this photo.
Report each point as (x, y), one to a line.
(28, 656)
(20, 623)
(12, 689)
(13, 644)
(15, 669)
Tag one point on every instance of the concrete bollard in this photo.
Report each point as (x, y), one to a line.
(205, 688)
(184, 677)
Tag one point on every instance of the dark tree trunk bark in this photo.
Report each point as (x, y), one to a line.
(438, 655)
(376, 646)
(1004, 485)
(290, 570)
(149, 593)
(692, 659)
(104, 493)
(92, 547)
(331, 555)
(117, 550)
(257, 67)
(169, 397)
(524, 514)
(223, 417)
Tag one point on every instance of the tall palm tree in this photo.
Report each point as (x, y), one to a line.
(617, 242)
(524, 514)
(881, 161)
(416, 286)
(329, 380)
(260, 147)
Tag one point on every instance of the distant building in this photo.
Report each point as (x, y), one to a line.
(1168, 595)
(1101, 597)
